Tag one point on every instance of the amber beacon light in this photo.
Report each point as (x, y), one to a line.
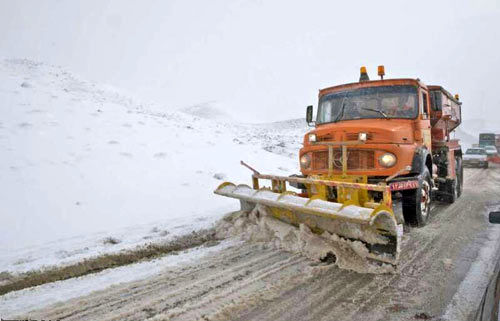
(381, 71)
(363, 75)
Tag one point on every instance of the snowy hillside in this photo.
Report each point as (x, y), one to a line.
(81, 162)
(466, 138)
(476, 126)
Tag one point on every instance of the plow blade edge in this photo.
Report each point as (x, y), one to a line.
(376, 228)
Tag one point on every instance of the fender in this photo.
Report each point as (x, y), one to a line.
(419, 160)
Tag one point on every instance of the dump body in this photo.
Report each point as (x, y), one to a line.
(446, 113)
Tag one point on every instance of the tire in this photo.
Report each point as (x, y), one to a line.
(460, 176)
(451, 191)
(416, 202)
(486, 165)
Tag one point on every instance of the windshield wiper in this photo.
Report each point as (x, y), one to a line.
(377, 111)
(341, 113)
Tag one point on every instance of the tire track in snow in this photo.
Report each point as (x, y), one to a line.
(145, 290)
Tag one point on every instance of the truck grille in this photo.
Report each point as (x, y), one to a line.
(354, 136)
(357, 159)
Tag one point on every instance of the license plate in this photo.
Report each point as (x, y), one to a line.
(399, 186)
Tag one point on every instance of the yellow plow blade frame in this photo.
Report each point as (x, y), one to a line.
(375, 227)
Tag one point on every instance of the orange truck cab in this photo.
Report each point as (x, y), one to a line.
(396, 132)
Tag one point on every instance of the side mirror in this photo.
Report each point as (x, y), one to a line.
(309, 114)
(494, 217)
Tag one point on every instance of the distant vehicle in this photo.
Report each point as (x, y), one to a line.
(491, 142)
(491, 150)
(487, 139)
(488, 309)
(475, 157)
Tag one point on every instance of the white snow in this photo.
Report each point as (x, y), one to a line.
(470, 292)
(18, 302)
(80, 162)
(74, 249)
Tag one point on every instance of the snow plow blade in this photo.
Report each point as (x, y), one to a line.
(373, 224)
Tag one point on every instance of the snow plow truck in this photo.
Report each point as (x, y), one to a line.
(373, 142)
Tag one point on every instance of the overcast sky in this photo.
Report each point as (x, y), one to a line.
(261, 60)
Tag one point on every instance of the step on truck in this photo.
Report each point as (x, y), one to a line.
(373, 141)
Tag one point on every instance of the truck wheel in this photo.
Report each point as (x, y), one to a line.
(417, 202)
(451, 191)
(460, 176)
(486, 165)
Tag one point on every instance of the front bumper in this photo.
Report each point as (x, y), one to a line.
(475, 163)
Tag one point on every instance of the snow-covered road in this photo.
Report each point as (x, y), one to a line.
(250, 282)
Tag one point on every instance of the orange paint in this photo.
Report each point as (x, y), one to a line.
(401, 137)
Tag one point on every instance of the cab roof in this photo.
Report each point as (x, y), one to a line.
(372, 83)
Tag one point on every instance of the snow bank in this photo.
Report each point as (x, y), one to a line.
(466, 300)
(19, 302)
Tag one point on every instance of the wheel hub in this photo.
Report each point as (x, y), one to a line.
(426, 199)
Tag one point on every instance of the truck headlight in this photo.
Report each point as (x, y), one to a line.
(362, 137)
(305, 161)
(312, 138)
(387, 160)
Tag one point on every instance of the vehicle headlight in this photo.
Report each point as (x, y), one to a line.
(362, 137)
(305, 161)
(312, 138)
(387, 160)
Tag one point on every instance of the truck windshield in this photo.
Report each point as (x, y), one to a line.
(372, 102)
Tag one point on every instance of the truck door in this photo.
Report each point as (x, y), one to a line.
(423, 123)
